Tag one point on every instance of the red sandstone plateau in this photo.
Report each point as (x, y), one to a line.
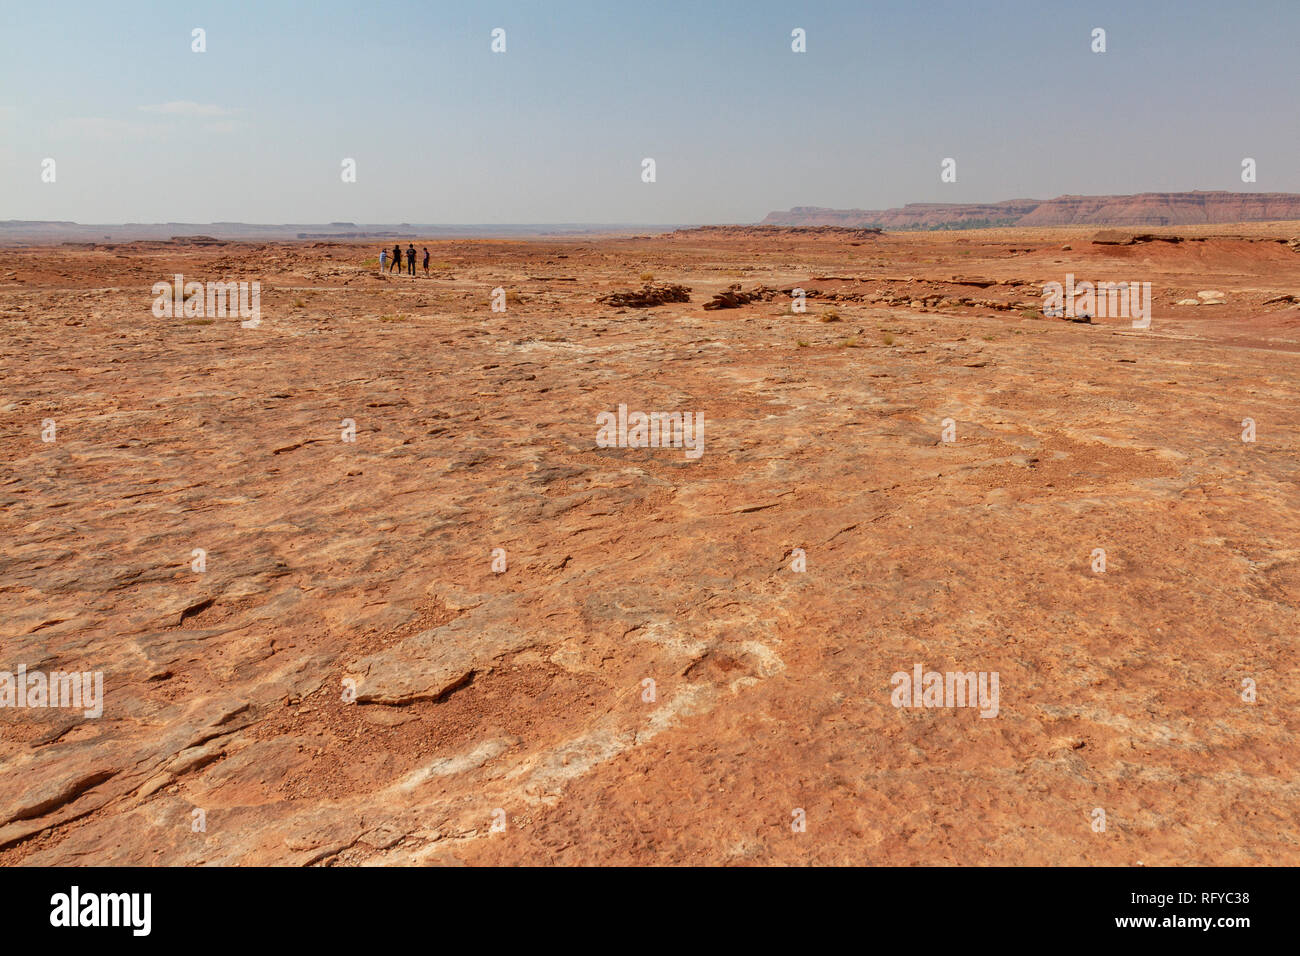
(1143, 209)
(475, 634)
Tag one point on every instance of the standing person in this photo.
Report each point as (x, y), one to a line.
(426, 260)
(397, 258)
(410, 258)
(383, 260)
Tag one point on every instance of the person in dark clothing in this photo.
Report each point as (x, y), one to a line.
(410, 258)
(397, 259)
(426, 260)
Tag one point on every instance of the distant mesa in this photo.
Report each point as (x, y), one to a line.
(767, 229)
(915, 215)
(1143, 209)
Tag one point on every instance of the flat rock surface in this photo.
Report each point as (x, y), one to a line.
(438, 622)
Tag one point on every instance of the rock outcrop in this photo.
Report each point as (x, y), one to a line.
(734, 298)
(646, 296)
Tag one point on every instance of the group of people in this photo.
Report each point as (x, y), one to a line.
(397, 259)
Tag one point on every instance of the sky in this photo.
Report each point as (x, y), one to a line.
(555, 129)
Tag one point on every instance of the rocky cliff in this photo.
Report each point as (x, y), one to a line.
(1143, 209)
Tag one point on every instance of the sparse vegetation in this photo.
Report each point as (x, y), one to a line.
(399, 317)
(831, 315)
(801, 343)
(299, 304)
(888, 338)
(647, 277)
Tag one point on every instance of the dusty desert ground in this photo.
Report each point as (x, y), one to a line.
(369, 564)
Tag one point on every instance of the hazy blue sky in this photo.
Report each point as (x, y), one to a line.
(554, 130)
